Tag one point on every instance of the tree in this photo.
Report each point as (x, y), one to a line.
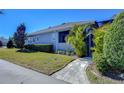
(20, 36)
(1, 44)
(113, 48)
(76, 39)
(10, 44)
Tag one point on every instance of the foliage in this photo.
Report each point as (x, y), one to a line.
(10, 44)
(66, 52)
(1, 44)
(113, 48)
(98, 39)
(20, 36)
(76, 39)
(100, 62)
(41, 48)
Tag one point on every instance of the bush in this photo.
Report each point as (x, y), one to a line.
(99, 38)
(41, 48)
(66, 52)
(10, 44)
(98, 57)
(100, 62)
(114, 44)
(1, 44)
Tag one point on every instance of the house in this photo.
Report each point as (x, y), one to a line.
(56, 36)
(4, 41)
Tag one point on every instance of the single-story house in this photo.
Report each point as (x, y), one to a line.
(56, 35)
(4, 41)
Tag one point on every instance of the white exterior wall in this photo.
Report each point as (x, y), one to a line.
(49, 38)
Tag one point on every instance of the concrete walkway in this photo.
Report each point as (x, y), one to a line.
(74, 72)
(14, 74)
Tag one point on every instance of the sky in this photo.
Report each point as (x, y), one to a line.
(41, 18)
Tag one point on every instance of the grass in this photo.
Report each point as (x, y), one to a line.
(96, 78)
(46, 63)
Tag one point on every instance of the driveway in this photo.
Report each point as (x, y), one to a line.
(74, 72)
(14, 74)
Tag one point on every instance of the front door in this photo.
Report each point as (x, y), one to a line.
(89, 45)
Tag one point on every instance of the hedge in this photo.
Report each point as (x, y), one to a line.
(41, 47)
(98, 39)
(10, 44)
(1, 44)
(113, 47)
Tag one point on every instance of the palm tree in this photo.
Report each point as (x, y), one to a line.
(76, 39)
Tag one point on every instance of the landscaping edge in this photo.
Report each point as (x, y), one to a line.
(29, 67)
(95, 77)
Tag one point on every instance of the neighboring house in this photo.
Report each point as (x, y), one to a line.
(56, 36)
(4, 41)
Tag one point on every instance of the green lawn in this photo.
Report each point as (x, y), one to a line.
(46, 63)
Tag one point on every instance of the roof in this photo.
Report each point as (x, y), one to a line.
(108, 20)
(62, 27)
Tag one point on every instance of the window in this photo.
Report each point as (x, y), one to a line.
(33, 40)
(62, 36)
(37, 38)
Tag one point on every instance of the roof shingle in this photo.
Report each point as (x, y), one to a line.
(62, 27)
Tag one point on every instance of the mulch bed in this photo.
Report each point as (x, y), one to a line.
(112, 76)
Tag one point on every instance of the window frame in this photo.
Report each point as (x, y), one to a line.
(62, 35)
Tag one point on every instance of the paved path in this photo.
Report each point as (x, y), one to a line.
(74, 72)
(14, 74)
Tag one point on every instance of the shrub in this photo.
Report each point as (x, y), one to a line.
(113, 48)
(1, 44)
(10, 44)
(61, 52)
(41, 48)
(100, 62)
(98, 39)
(66, 52)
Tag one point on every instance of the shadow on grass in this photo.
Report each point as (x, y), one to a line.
(26, 51)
